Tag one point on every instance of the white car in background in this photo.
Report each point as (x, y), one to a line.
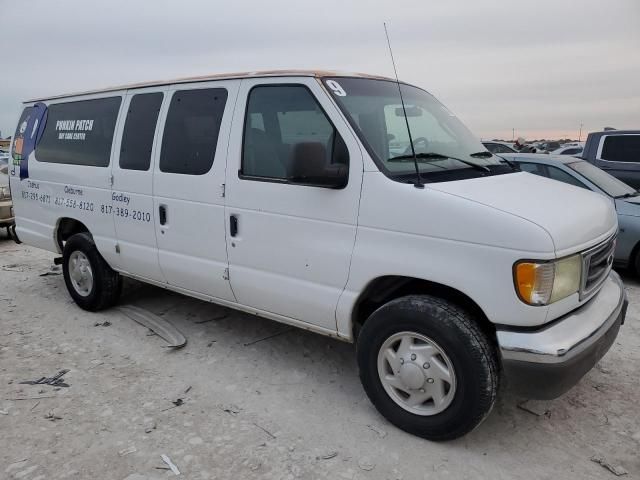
(499, 147)
(573, 149)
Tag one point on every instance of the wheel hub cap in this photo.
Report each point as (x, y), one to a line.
(80, 273)
(411, 375)
(416, 373)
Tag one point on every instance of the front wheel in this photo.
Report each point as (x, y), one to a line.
(91, 282)
(427, 367)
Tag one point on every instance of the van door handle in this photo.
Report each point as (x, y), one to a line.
(162, 211)
(233, 225)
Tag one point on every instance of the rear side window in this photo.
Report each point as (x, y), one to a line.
(534, 168)
(571, 151)
(139, 130)
(564, 177)
(283, 121)
(79, 133)
(621, 148)
(191, 131)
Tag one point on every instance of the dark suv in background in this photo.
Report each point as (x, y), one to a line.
(617, 152)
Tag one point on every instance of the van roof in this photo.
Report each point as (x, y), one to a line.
(219, 76)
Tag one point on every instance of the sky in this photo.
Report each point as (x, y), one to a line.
(540, 67)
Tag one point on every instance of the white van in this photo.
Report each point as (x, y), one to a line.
(297, 196)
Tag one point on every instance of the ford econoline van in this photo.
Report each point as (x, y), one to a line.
(323, 201)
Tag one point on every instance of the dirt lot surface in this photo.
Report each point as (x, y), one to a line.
(289, 406)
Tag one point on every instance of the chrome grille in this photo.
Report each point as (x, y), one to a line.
(596, 265)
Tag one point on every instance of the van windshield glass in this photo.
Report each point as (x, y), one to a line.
(443, 145)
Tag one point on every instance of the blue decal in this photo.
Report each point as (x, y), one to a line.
(29, 133)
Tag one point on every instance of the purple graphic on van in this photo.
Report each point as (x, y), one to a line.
(27, 136)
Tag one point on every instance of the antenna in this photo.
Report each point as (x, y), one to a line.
(418, 183)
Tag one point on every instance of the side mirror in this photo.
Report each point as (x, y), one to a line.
(309, 165)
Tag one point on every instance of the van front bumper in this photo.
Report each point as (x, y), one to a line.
(545, 363)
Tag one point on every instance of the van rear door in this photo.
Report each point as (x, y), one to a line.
(187, 186)
(132, 206)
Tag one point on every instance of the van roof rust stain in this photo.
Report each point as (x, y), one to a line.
(219, 76)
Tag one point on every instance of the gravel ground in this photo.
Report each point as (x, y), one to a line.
(290, 406)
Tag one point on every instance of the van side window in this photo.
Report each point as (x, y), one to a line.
(283, 122)
(191, 131)
(79, 133)
(621, 148)
(139, 130)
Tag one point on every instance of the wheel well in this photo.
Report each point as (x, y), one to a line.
(384, 289)
(631, 263)
(68, 227)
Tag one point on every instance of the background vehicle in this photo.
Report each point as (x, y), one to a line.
(499, 147)
(4, 162)
(6, 205)
(617, 152)
(573, 150)
(582, 174)
(319, 200)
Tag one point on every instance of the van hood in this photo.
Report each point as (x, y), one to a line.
(574, 217)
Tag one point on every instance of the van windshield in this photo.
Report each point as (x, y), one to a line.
(445, 148)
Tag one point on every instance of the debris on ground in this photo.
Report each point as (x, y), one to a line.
(52, 416)
(171, 465)
(211, 343)
(380, 432)
(4, 412)
(149, 426)
(176, 403)
(328, 455)
(617, 470)
(12, 267)
(187, 389)
(55, 381)
(158, 325)
(55, 270)
(271, 435)
(537, 408)
(231, 409)
(214, 319)
(366, 464)
(268, 337)
(103, 324)
(127, 451)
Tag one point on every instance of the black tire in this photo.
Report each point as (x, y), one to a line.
(472, 354)
(635, 264)
(107, 283)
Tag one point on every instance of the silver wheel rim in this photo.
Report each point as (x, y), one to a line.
(416, 373)
(80, 273)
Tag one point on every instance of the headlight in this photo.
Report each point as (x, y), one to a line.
(4, 192)
(542, 283)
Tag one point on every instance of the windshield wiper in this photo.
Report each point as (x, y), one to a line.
(486, 154)
(437, 156)
(481, 155)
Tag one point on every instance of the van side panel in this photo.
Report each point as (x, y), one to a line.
(54, 191)
(443, 239)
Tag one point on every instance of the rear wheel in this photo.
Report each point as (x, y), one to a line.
(427, 367)
(91, 282)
